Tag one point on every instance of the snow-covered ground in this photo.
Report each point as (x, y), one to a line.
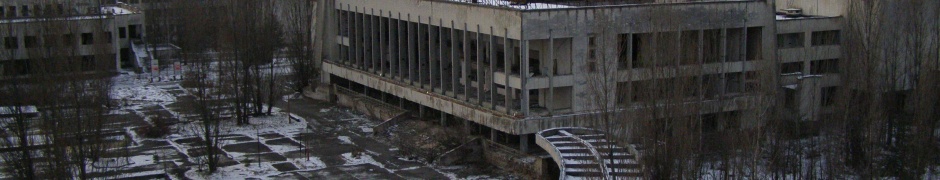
(338, 140)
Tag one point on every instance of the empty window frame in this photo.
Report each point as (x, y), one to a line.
(823, 38)
(790, 40)
(30, 41)
(791, 68)
(828, 66)
(11, 43)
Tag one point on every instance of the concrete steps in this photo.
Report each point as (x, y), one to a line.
(586, 154)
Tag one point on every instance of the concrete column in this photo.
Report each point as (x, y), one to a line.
(524, 143)
(373, 31)
(410, 50)
(353, 38)
(440, 55)
(443, 119)
(492, 54)
(419, 37)
(383, 43)
(453, 59)
(524, 76)
(701, 62)
(421, 110)
(464, 63)
(724, 60)
(551, 74)
(398, 50)
(479, 64)
(507, 70)
(432, 46)
(377, 48)
(360, 40)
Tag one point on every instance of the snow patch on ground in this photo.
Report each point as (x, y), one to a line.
(360, 159)
(313, 163)
(345, 139)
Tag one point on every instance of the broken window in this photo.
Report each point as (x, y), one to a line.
(824, 66)
(789, 40)
(30, 42)
(623, 60)
(755, 46)
(827, 96)
(11, 42)
(822, 38)
(87, 38)
(790, 68)
(711, 47)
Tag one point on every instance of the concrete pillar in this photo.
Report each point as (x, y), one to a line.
(443, 119)
(419, 37)
(524, 143)
(410, 50)
(399, 52)
(373, 41)
(383, 43)
(453, 59)
(551, 74)
(351, 50)
(491, 48)
(479, 66)
(524, 76)
(421, 111)
(507, 68)
(701, 62)
(432, 46)
(359, 40)
(464, 63)
(440, 55)
(724, 59)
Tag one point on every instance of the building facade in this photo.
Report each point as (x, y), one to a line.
(518, 68)
(98, 35)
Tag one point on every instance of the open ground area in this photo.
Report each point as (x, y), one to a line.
(320, 141)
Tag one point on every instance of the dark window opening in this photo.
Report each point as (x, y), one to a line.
(30, 42)
(87, 38)
(827, 96)
(11, 43)
(790, 68)
(822, 38)
(122, 32)
(790, 40)
(828, 66)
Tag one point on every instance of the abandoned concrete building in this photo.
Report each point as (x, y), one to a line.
(809, 52)
(515, 69)
(101, 33)
(533, 72)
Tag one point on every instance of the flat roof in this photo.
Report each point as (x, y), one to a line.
(106, 12)
(568, 4)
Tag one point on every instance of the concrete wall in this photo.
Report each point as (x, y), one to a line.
(816, 7)
(503, 20)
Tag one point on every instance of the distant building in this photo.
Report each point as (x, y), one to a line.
(98, 35)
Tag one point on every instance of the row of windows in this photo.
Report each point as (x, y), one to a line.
(819, 38)
(708, 86)
(57, 40)
(666, 49)
(826, 66)
(31, 10)
(76, 63)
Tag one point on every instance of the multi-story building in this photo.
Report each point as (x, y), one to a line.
(515, 68)
(809, 52)
(97, 34)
